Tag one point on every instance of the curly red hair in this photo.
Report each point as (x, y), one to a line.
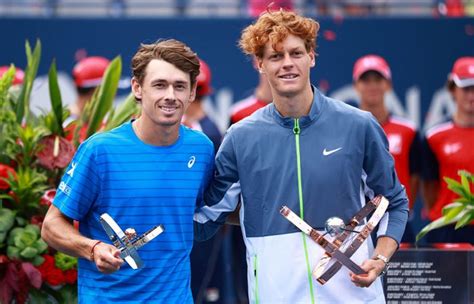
(275, 27)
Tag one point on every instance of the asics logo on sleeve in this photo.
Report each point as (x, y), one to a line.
(70, 172)
(329, 152)
(191, 161)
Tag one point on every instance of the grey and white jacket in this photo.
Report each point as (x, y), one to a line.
(321, 165)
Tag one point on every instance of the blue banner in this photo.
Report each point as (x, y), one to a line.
(420, 52)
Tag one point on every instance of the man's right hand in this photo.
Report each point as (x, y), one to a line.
(107, 258)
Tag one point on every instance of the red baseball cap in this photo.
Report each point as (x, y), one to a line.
(371, 63)
(204, 80)
(19, 74)
(463, 72)
(88, 72)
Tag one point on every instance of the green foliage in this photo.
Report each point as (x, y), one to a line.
(28, 187)
(56, 101)
(7, 219)
(23, 104)
(25, 244)
(126, 109)
(23, 137)
(461, 211)
(102, 101)
(64, 261)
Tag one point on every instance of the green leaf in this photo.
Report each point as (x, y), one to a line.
(452, 210)
(124, 112)
(13, 233)
(456, 187)
(40, 245)
(68, 294)
(34, 229)
(465, 182)
(20, 221)
(23, 104)
(467, 174)
(56, 100)
(29, 253)
(441, 222)
(7, 219)
(103, 100)
(39, 296)
(465, 220)
(13, 253)
(6, 82)
(37, 260)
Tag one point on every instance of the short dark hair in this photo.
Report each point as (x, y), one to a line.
(170, 50)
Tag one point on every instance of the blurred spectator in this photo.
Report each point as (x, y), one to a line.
(451, 8)
(261, 97)
(87, 74)
(256, 7)
(195, 116)
(447, 148)
(372, 80)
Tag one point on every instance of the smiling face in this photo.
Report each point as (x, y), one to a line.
(287, 68)
(165, 93)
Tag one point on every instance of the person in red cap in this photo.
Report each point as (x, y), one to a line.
(448, 148)
(87, 74)
(195, 116)
(372, 80)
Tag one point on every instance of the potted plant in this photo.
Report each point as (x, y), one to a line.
(34, 150)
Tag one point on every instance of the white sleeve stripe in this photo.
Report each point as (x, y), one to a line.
(227, 204)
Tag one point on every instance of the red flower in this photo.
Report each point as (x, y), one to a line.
(57, 152)
(47, 198)
(71, 129)
(37, 220)
(50, 274)
(70, 276)
(5, 172)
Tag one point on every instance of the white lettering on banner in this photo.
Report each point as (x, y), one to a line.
(219, 111)
(440, 108)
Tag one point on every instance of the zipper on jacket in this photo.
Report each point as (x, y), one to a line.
(256, 279)
(296, 131)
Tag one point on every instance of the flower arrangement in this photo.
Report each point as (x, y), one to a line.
(34, 151)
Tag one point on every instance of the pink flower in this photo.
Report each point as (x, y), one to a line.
(48, 197)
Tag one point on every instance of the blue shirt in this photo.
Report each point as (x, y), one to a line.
(139, 186)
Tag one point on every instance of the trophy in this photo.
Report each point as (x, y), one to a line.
(128, 242)
(338, 250)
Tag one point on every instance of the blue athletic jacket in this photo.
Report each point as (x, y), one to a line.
(321, 165)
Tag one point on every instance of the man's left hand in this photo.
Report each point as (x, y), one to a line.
(373, 268)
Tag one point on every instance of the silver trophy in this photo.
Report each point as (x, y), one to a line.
(341, 247)
(128, 242)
